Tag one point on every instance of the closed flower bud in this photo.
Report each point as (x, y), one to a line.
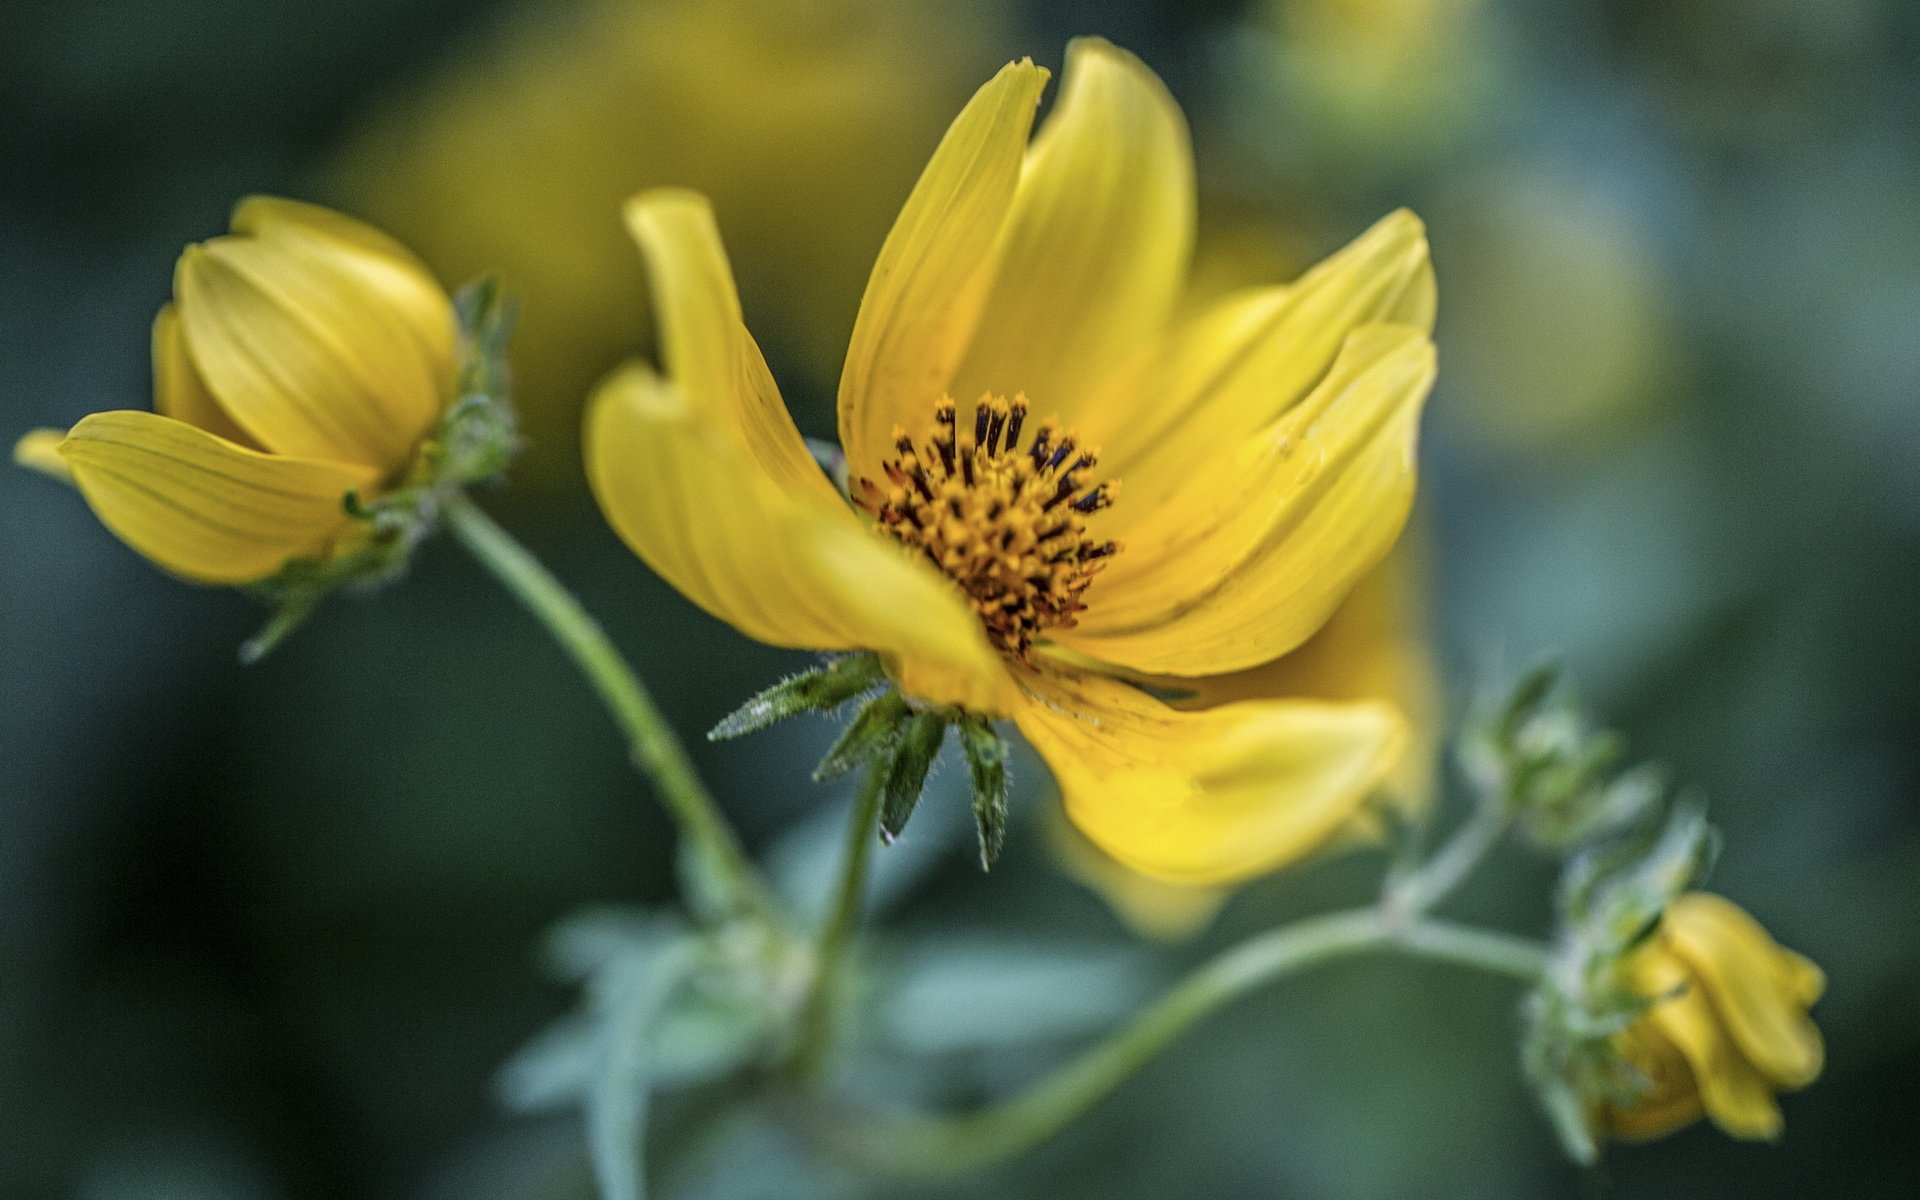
(305, 357)
(1725, 1027)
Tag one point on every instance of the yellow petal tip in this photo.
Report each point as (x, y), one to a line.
(40, 451)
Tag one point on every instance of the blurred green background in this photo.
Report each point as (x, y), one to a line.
(268, 933)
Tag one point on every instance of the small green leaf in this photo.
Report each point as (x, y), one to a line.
(986, 753)
(818, 690)
(870, 736)
(907, 773)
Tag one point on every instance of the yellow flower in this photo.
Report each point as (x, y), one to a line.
(305, 355)
(1728, 1027)
(1267, 446)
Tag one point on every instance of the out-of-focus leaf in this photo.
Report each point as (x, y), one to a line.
(971, 993)
(636, 994)
(804, 863)
(592, 939)
(553, 1069)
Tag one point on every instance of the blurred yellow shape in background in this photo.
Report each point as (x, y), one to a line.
(804, 121)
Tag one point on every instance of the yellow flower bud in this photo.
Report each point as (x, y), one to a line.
(1728, 1026)
(305, 356)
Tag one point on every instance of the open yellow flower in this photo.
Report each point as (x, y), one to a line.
(1728, 1029)
(305, 355)
(1267, 446)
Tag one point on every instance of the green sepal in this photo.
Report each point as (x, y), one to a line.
(907, 773)
(487, 318)
(818, 690)
(290, 613)
(396, 524)
(870, 736)
(986, 753)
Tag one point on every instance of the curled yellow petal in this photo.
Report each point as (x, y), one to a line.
(1264, 542)
(781, 566)
(1374, 647)
(39, 450)
(1755, 986)
(1228, 372)
(1098, 242)
(178, 390)
(202, 507)
(314, 346)
(924, 298)
(1672, 1099)
(1204, 797)
(1734, 1092)
(708, 352)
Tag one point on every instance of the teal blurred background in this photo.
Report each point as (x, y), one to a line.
(268, 933)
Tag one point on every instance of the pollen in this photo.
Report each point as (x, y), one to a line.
(1007, 524)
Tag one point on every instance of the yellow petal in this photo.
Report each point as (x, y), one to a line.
(39, 450)
(1804, 977)
(407, 289)
(312, 347)
(781, 566)
(178, 391)
(925, 294)
(1735, 1094)
(1267, 540)
(202, 507)
(1753, 984)
(1673, 1100)
(1374, 647)
(1151, 907)
(1230, 371)
(1204, 797)
(1098, 242)
(712, 359)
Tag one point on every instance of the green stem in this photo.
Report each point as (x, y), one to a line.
(1488, 950)
(817, 1017)
(1451, 864)
(655, 749)
(919, 1145)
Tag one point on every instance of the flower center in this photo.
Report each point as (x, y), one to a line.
(1008, 525)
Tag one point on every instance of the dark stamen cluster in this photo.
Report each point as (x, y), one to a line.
(1007, 525)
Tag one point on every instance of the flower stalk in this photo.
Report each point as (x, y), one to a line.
(1449, 867)
(821, 1008)
(929, 1146)
(720, 868)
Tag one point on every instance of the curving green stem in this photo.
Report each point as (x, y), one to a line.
(1451, 864)
(921, 1145)
(656, 750)
(818, 1015)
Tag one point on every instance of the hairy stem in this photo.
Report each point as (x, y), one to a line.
(656, 750)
